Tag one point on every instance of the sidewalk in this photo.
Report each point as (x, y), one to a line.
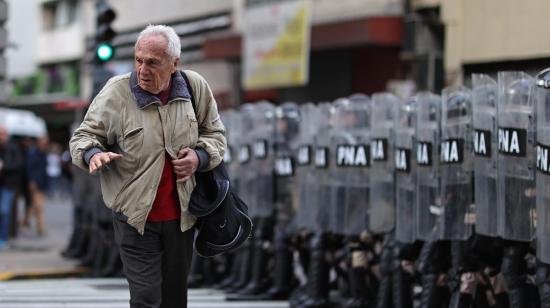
(31, 256)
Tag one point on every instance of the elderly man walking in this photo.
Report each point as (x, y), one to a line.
(142, 134)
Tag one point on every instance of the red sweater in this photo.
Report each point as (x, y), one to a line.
(166, 205)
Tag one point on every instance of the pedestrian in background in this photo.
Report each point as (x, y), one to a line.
(66, 173)
(54, 170)
(10, 162)
(25, 144)
(37, 163)
(143, 135)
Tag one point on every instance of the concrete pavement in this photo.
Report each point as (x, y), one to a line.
(30, 255)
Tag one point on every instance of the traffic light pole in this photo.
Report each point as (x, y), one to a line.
(105, 15)
(103, 48)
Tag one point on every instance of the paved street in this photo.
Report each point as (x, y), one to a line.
(32, 258)
(99, 293)
(34, 255)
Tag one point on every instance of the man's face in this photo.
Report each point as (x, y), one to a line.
(154, 66)
(42, 143)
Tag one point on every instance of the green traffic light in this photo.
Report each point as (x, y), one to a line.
(104, 52)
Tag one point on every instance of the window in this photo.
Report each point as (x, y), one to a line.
(57, 14)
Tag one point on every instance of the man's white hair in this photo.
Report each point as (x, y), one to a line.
(174, 46)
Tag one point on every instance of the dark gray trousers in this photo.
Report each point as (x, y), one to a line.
(156, 263)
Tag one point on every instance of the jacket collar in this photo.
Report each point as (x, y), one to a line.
(144, 98)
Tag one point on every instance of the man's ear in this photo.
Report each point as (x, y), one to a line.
(176, 63)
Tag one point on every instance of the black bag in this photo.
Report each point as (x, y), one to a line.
(223, 223)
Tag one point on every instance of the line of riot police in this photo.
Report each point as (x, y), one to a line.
(429, 201)
(92, 239)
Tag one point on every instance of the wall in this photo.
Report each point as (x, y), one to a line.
(492, 31)
(135, 14)
(327, 11)
(22, 30)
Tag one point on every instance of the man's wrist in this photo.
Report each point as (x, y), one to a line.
(88, 154)
(204, 159)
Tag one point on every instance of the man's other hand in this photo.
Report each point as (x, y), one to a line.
(186, 164)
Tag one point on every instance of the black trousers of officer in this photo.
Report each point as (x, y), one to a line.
(156, 263)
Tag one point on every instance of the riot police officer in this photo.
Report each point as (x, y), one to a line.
(516, 179)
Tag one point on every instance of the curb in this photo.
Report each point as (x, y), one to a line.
(44, 273)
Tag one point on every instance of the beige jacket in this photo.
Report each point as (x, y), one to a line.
(125, 119)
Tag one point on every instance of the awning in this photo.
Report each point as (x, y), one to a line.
(22, 123)
(377, 31)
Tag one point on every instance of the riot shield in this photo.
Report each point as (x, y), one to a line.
(516, 154)
(337, 176)
(320, 192)
(381, 197)
(285, 143)
(455, 157)
(246, 173)
(303, 156)
(405, 171)
(428, 201)
(542, 98)
(263, 157)
(232, 121)
(348, 170)
(484, 100)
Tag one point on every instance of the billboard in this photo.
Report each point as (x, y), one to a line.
(276, 43)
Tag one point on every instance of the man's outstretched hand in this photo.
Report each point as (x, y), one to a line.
(100, 161)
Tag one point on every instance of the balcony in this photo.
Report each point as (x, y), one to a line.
(60, 45)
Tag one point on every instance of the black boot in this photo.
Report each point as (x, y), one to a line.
(431, 296)
(300, 295)
(461, 300)
(72, 249)
(227, 268)
(358, 286)
(244, 267)
(384, 297)
(196, 275)
(432, 262)
(113, 263)
(533, 296)
(79, 248)
(459, 257)
(402, 280)
(233, 272)
(283, 278)
(259, 278)
(100, 257)
(514, 270)
(402, 289)
(209, 272)
(358, 272)
(258, 281)
(543, 283)
(91, 249)
(318, 276)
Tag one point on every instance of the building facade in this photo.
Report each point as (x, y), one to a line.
(489, 36)
(355, 47)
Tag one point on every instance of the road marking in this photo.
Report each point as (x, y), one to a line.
(102, 293)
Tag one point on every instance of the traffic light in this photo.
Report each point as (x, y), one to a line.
(104, 50)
